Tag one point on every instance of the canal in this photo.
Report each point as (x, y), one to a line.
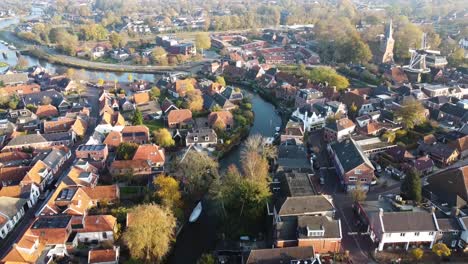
(200, 237)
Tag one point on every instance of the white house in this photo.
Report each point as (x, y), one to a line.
(312, 120)
(203, 138)
(107, 128)
(403, 229)
(11, 211)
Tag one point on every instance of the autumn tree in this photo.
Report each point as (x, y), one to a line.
(22, 63)
(137, 118)
(126, 150)
(154, 93)
(407, 36)
(411, 113)
(411, 187)
(206, 259)
(163, 138)
(168, 192)
(158, 55)
(441, 250)
(194, 101)
(358, 194)
(203, 41)
(257, 143)
(100, 82)
(389, 136)
(457, 58)
(220, 80)
(198, 171)
(417, 254)
(117, 40)
(150, 233)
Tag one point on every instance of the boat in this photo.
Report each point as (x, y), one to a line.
(196, 213)
(4, 55)
(11, 47)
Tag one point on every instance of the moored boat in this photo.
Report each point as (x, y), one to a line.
(196, 213)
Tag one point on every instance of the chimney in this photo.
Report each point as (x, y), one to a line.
(381, 212)
(433, 209)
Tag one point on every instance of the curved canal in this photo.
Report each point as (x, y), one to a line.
(200, 237)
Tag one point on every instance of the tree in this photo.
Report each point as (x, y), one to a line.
(194, 101)
(411, 187)
(411, 113)
(158, 54)
(328, 75)
(417, 254)
(137, 118)
(407, 36)
(67, 42)
(198, 170)
(150, 233)
(353, 110)
(257, 143)
(163, 138)
(155, 92)
(457, 58)
(203, 41)
(100, 82)
(126, 150)
(130, 77)
(220, 80)
(389, 136)
(22, 63)
(116, 40)
(70, 72)
(441, 250)
(359, 194)
(206, 259)
(167, 192)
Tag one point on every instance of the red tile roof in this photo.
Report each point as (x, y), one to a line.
(150, 152)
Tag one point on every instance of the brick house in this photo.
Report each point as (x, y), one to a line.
(130, 167)
(338, 130)
(351, 164)
(135, 134)
(179, 118)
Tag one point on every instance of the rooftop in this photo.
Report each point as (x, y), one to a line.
(58, 221)
(91, 147)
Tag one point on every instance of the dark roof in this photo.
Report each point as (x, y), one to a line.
(453, 110)
(439, 100)
(293, 156)
(408, 222)
(231, 94)
(58, 221)
(301, 205)
(439, 150)
(349, 154)
(37, 98)
(14, 78)
(331, 227)
(449, 186)
(448, 224)
(280, 255)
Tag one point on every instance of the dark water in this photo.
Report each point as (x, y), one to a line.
(200, 237)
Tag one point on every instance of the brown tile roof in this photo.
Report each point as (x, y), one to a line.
(179, 116)
(109, 193)
(141, 98)
(18, 255)
(46, 111)
(429, 139)
(22, 89)
(113, 139)
(103, 255)
(60, 125)
(150, 152)
(461, 144)
(280, 255)
(223, 116)
(13, 174)
(73, 176)
(79, 127)
(11, 191)
(14, 155)
(135, 129)
(124, 164)
(34, 174)
(300, 205)
(98, 223)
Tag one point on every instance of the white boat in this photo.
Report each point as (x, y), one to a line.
(196, 213)
(12, 47)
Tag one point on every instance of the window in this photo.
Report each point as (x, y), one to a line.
(402, 234)
(352, 178)
(416, 234)
(363, 179)
(388, 235)
(357, 171)
(431, 233)
(104, 235)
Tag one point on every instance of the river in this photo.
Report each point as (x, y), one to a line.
(200, 237)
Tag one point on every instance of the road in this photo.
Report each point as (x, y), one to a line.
(30, 214)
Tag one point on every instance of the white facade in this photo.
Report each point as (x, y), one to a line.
(10, 222)
(407, 238)
(311, 122)
(99, 236)
(107, 128)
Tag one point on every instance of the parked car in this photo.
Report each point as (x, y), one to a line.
(377, 167)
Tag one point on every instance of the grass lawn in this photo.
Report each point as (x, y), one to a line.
(154, 124)
(130, 189)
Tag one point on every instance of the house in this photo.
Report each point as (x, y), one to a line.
(448, 187)
(398, 154)
(293, 157)
(282, 255)
(139, 85)
(179, 118)
(307, 96)
(11, 212)
(22, 89)
(351, 164)
(40, 174)
(14, 158)
(167, 105)
(59, 125)
(450, 230)
(107, 194)
(82, 173)
(40, 141)
(232, 94)
(95, 228)
(13, 175)
(461, 144)
(46, 111)
(7, 128)
(54, 158)
(30, 192)
(424, 165)
(396, 224)
(180, 87)
(360, 99)
(130, 167)
(217, 101)
(104, 256)
(113, 140)
(49, 97)
(150, 110)
(141, 98)
(203, 138)
(135, 134)
(24, 119)
(339, 129)
(453, 113)
(152, 153)
(119, 54)
(221, 119)
(95, 154)
(442, 154)
(26, 250)
(14, 78)
(294, 131)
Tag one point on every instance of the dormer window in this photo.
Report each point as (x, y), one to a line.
(195, 139)
(207, 138)
(315, 232)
